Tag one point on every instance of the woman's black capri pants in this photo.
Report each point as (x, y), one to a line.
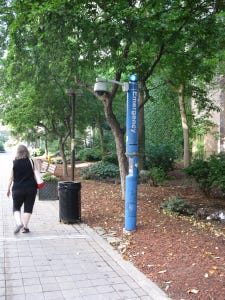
(24, 196)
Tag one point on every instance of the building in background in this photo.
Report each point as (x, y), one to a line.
(214, 141)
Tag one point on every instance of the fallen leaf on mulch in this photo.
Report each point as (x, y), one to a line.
(213, 269)
(163, 271)
(125, 257)
(193, 291)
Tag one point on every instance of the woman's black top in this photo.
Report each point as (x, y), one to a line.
(23, 174)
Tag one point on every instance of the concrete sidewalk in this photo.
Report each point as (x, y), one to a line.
(59, 261)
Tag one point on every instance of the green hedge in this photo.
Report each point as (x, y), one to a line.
(160, 156)
(89, 155)
(100, 171)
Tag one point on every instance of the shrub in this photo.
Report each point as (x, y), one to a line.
(210, 175)
(200, 170)
(37, 152)
(100, 171)
(110, 158)
(217, 171)
(176, 205)
(40, 151)
(49, 177)
(144, 176)
(160, 156)
(89, 155)
(58, 161)
(157, 175)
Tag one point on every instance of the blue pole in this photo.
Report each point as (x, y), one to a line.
(132, 154)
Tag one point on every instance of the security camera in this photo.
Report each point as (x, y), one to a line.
(100, 88)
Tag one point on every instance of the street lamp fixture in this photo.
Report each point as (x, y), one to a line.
(100, 86)
(131, 88)
(73, 93)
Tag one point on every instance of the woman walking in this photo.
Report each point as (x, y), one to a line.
(24, 188)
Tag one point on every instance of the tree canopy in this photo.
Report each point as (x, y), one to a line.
(54, 45)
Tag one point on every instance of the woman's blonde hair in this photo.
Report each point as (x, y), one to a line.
(22, 152)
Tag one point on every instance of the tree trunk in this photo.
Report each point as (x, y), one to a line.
(62, 154)
(184, 126)
(101, 135)
(221, 114)
(46, 146)
(120, 143)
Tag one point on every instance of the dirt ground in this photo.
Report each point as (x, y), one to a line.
(184, 256)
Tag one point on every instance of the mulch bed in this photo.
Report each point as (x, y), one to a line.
(184, 256)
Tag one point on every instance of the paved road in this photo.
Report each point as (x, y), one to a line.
(59, 261)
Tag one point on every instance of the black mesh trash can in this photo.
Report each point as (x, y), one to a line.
(69, 202)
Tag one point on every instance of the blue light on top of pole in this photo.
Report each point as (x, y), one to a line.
(133, 78)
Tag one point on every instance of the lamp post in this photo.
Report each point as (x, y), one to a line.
(131, 145)
(72, 95)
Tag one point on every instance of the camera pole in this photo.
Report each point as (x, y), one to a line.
(131, 89)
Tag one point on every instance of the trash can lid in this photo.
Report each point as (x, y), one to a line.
(69, 184)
